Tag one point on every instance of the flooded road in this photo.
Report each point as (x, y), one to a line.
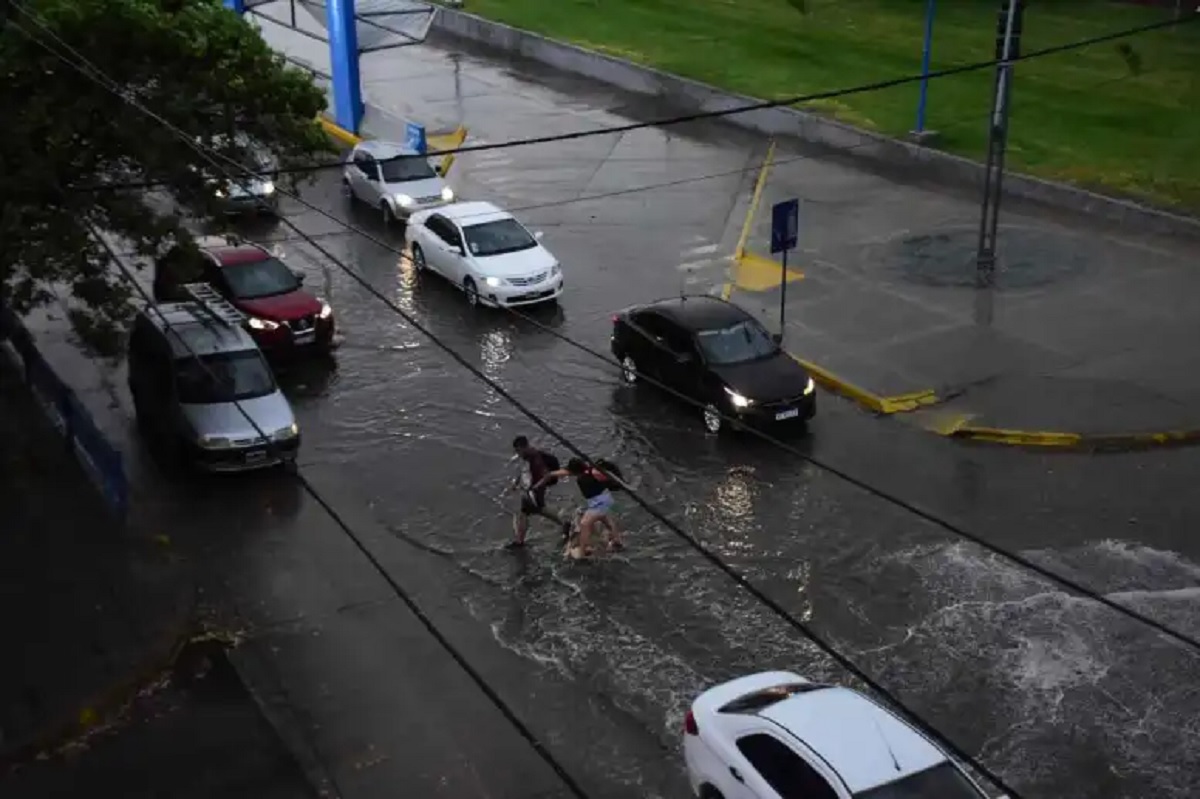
(1055, 693)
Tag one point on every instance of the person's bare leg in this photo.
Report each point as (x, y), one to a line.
(520, 527)
(585, 529)
(614, 533)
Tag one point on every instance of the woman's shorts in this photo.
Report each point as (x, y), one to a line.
(601, 503)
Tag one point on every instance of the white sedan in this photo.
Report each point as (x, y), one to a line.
(776, 735)
(486, 253)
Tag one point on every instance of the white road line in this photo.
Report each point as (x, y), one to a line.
(706, 249)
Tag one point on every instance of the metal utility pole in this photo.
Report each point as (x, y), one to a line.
(1008, 45)
(919, 132)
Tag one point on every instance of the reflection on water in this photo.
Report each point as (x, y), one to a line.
(495, 349)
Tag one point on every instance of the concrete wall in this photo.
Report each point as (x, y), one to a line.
(807, 127)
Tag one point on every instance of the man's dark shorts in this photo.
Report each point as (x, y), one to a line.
(533, 501)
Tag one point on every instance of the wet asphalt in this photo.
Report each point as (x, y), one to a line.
(1058, 695)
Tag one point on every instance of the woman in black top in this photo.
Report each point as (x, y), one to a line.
(594, 485)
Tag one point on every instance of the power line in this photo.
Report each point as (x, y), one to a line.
(736, 110)
(574, 787)
(694, 543)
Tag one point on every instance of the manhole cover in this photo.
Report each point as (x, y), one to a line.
(1026, 258)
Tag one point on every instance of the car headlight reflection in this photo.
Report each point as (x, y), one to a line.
(494, 282)
(268, 188)
(809, 387)
(261, 324)
(737, 400)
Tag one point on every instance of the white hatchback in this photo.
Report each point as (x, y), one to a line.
(776, 735)
(486, 253)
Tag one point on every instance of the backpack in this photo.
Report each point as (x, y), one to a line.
(608, 467)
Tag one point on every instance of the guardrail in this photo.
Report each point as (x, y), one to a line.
(100, 459)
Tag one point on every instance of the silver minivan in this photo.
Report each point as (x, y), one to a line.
(395, 179)
(202, 389)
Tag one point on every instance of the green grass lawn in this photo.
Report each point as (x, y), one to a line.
(1082, 116)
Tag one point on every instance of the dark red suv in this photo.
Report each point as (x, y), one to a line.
(281, 316)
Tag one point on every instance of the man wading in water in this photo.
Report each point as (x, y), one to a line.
(533, 500)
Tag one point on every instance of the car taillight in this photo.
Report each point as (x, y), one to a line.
(689, 724)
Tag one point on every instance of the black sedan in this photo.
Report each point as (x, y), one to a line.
(717, 354)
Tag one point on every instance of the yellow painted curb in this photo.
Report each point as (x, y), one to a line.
(755, 199)
(902, 403)
(1078, 441)
(338, 132)
(740, 252)
(447, 141)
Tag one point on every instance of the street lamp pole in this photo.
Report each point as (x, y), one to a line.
(1008, 34)
(919, 132)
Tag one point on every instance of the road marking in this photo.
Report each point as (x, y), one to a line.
(706, 249)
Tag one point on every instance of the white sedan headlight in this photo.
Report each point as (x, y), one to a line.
(555, 270)
(494, 282)
(448, 194)
(404, 200)
(268, 188)
(286, 433)
(737, 400)
(213, 442)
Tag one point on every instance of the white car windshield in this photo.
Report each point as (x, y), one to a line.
(225, 377)
(943, 781)
(403, 170)
(497, 238)
(745, 341)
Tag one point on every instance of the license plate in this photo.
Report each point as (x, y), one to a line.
(306, 337)
(790, 413)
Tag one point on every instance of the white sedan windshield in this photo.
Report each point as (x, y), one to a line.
(497, 238)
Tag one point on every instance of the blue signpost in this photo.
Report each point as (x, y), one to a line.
(414, 137)
(926, 54)
(785, 233)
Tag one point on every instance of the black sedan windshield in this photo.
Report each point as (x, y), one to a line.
(402, 170)
(260, 279)
(943, 781)
(223, 378)
(745, 341)
(497, 238)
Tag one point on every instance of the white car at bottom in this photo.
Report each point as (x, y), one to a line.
(486, 253)
(776, 735)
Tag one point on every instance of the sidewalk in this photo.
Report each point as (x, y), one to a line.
(92, 610)
(1085, 332)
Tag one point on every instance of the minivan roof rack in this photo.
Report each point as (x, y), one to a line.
(213, 304)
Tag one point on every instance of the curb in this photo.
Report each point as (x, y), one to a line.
(809, 127)
(338, 132)
(885, 406)
(1049, 439)
(104, 702)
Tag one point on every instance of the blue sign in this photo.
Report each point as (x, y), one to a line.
(785, 225)
(414, 137)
